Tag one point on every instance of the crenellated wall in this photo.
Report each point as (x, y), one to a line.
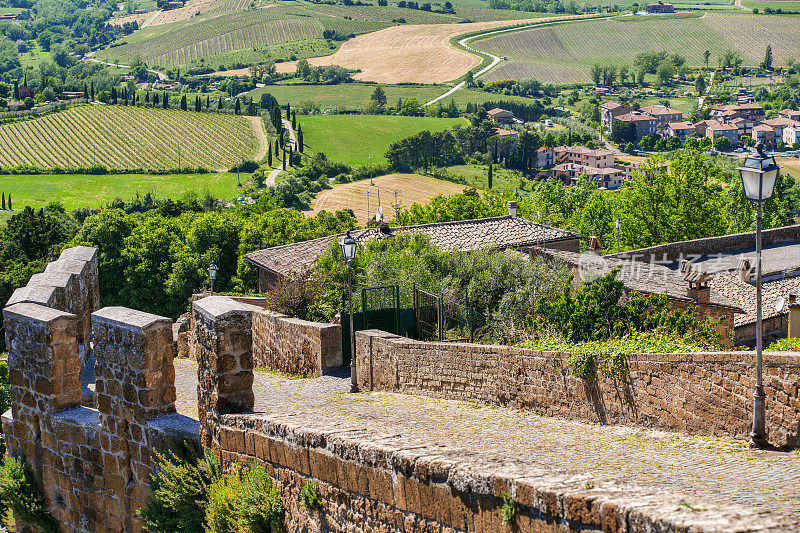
(92, 464)
(706, 393)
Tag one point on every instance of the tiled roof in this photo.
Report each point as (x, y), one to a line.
(635, 117)
(647, 278)
(598, 152)
(722, 127)
(744, 295)
(589, 170)
(498, 111)
(774, 258)
(659, 109)
(764, 127)
(465, 235)
(678, 126)
(779, 122)
(613, 105)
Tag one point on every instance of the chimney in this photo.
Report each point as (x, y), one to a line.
(512, 209)
(698, 280)
(699, 292)
(594, 244)
(794, 316)
(744, 270)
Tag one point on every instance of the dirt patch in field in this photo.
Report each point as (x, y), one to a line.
(261, 136)
(410, 188)
(202, 7)
(139, 19)
(414, 53)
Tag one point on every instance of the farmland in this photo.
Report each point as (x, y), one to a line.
(209, 35)
(355, 96)
(566, 52)
(410, 188)
(81, 190)
(352, 138)
(131, 138)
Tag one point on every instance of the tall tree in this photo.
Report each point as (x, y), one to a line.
(700, 85)
(767, 63)
(706, 56)
(490, 176)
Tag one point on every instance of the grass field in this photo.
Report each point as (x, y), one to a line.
(786, 5)
(410, 188)
(564, 53)
(78, 190)
(352, 138)
(353, 96)
(130, 138)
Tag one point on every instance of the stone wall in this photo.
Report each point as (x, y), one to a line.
(706, 393)
(295, 346)
(675, 251)
(91, 464)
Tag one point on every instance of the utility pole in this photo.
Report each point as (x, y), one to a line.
(368, 191)
(370, 170)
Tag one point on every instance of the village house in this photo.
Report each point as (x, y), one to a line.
(791, 134)
(791, 114)
(645, 124)
(545, 157)
(764, 133)
(664, 115)
(729, 112)
(659, 8)
(503, 116)
(500, 132)
(573, 162)
(715, 130)
(500, 233)
(609, 111)
(680, 130)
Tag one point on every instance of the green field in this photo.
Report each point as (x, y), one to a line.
(352, 138)
(78, 190)
(129, 138)
(564, 53)
(356, 96)
(785, 5)
(259, 30)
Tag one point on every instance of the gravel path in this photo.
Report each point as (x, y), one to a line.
(710, 470)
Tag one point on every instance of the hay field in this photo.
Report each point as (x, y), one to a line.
(410, 188)
(193, 7)
(122, 137)
(409, 53)
(564, 53)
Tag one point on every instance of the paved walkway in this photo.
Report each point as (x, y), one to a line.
(270, 182)
(705, 472)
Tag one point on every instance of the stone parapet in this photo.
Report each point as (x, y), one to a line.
(705, 393)
(295, 346)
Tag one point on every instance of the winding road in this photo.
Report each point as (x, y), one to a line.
(270, 181)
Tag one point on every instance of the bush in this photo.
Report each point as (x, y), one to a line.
(245, 502)
(18, 491)
(785, 345)
(309, 496)
(180, 489)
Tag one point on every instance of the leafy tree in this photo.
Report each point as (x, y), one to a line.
(706, 56)
(700, 84)
(767, 63)
(35, 231)
(722, 143)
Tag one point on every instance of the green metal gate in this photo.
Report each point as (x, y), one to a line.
(380, 308)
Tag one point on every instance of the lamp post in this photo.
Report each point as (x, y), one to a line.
(758, 174)
(370, 170)
(348, 244)
(212, 275)
(617, 224)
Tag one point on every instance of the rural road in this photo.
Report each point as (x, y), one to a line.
(161, 75)
(495, 59)
(270, 181)
(702, 98)
(148, 21)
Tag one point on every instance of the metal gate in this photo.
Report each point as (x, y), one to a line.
(380, 308)
(446, 319)
(426, 309)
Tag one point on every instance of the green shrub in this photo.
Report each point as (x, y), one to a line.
(786, 345)
(309, 496)
(221, 509)
(245, 502)
(508, 512)
(18, 491)
(258, 503)
(180, 490)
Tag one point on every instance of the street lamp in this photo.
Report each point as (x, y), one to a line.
(758, 174)
(617, 224)
(212, 275)
(348, 244)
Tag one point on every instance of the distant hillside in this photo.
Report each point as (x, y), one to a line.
(122, 137)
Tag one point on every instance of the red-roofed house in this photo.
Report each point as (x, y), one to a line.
(790, 114)
(729, 112)
(502, 116)
(680, 130)
(663, 114)
(730, 131)
(645, 124)
(609, 111)
(766, 134)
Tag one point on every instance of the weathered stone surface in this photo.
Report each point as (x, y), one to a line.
(705, 393)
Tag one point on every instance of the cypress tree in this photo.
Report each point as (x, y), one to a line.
(288, 116)
(290, 154)
(155, 99)
(147, 98)
(269, 154)
(208, 102)
(220, 104)
(165, 100)
(300, 139)
(85, 91)
(284, 160)
(4, 201)
(9, 202)
(113, 95)
(490, 175)
(238, 107)
(276, 147)
(183, 103)
(92, 95)
(294, 120)
(16, 89)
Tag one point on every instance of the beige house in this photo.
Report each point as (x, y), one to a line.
(664, 115)
(609, 111)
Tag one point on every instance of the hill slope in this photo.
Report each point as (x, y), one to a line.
(130, 138)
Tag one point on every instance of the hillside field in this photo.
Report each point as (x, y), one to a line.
(80, 190)
(352, 138)
(410, 188)
(565, 53)
(353, 96)
(121, 137)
